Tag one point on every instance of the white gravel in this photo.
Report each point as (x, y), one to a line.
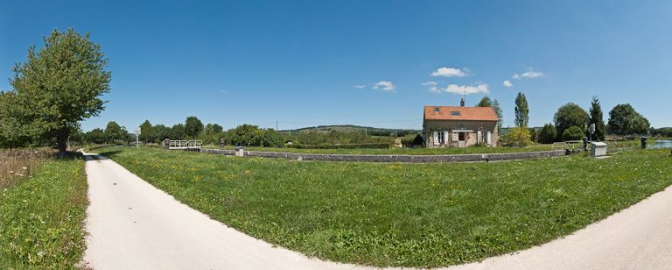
(133, 225)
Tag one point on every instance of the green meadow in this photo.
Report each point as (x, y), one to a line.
(422, 215)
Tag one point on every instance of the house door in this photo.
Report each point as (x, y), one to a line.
(462, 139)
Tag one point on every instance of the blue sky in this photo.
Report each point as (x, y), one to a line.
(306, 63)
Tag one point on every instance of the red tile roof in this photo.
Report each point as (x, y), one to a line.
(460, 113)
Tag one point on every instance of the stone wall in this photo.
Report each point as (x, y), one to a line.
(396, 158)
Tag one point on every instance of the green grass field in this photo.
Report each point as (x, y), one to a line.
(41, 218)
(405, 151)
(423, 215)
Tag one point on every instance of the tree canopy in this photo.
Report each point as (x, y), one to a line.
(114, 132)
(193, 126)
(548, 134)
(570, 115)
(624, 120)
(59, 85)
(485, 102)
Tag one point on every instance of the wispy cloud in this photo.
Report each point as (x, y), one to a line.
(448, 72)
(508, 84)
(461, 89)
(530, 74)
(223, 91)
(386, 86)
(360, 86)
(429, 83)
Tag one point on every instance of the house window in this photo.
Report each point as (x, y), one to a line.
(437, 110)
(439, 137)
(455, 113)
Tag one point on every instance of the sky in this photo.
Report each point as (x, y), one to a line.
(373, 63)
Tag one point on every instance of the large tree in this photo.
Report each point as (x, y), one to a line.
(570, 115)
(59, 85)
(522, 111)
(624, 120)
(114, 132)
(193, 127)
(596, 117)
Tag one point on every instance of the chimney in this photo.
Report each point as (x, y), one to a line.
(462, 102)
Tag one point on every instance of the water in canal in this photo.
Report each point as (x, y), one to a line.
(661, 144)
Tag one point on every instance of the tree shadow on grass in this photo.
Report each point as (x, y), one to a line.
(109, 154)
(68, 156)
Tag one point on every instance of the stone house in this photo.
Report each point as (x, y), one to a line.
(448, 126)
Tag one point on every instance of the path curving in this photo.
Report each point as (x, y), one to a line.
(133, 225)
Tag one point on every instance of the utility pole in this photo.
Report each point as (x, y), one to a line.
(276, 125)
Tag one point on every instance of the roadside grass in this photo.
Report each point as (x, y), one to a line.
(405, 151)
(422, 215)
(41, 217)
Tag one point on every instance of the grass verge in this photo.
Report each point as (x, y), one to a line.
(41, 218)
(424, 215)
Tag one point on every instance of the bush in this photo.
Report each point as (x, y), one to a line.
(548, 134)
(572, 133)
(518, 136)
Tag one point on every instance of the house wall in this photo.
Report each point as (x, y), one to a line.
(453, 126)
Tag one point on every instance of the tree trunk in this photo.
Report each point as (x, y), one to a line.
(62, 139)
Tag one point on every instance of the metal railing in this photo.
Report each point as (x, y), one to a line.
(184, 144)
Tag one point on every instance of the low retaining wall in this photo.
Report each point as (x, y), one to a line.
(395, 158)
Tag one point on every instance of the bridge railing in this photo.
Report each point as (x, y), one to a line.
(185, 144)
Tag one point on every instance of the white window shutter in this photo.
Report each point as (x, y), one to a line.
(436, 138)
(489, 137)
(445, 137)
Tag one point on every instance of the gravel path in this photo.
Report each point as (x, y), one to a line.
(133, 225)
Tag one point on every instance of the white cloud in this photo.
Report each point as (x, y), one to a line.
(530, 74)
(360, 86)
(461, 89)
(467, 89)
(448, 72)
(223, 91)
(387, 86)
(429, 83)
(434, 89)
(508, 84)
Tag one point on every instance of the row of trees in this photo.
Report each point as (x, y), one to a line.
(571, 122)
(246, 135)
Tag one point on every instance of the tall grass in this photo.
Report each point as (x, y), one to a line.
(17, 164)
(42, 215)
